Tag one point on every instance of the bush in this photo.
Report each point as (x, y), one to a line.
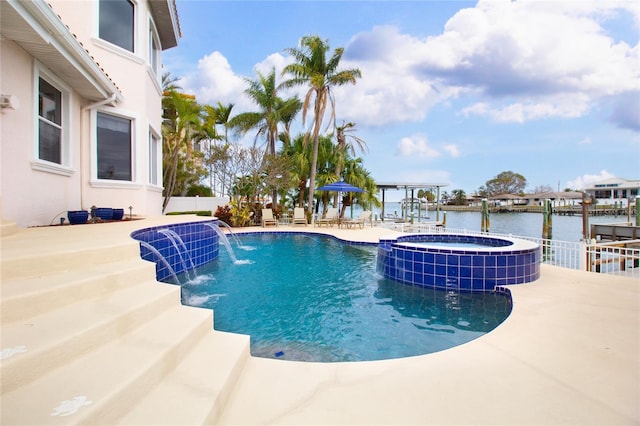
(200, 190)
(196, 212)
(224, 214)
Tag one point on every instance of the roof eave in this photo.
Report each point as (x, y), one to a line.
(165, 16)
(38, 30)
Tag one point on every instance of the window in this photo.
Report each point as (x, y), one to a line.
(49, 122)
(114, 147)
(117, 22)
(154, 151)
(154, 50)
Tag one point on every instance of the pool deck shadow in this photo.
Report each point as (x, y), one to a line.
(567, 354)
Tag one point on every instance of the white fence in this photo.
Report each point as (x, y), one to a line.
(607, 258)
(190, 204)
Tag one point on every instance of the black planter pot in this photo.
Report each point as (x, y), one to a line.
(77, 217)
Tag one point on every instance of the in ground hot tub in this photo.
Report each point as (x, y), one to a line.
(459, 262)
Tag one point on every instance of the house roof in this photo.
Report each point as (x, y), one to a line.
(613, 183)
(39, 31)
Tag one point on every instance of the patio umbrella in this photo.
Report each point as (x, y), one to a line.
(339, 187)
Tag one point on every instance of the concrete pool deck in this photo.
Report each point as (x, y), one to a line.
(568, 354)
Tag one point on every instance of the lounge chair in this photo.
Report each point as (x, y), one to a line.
(359, 221)
(267, 218)
(330, 218)
(299, 216)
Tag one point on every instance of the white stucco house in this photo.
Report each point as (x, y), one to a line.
(614, 191)
(80, 118)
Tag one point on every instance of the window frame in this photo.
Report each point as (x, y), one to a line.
(66, 122)
(155, 161)
(154, 51)
(102, 182)
(134, 30)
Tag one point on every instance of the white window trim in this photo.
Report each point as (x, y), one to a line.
(136, 55)
(109, 183)
(158, 161)
(66, 155)
(152, 34)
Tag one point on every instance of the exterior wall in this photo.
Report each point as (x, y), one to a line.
(32, 196)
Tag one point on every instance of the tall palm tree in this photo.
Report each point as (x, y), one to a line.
(273, 111)
(312, 67)
(347, 143)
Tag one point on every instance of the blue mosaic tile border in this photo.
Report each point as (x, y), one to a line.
(197, 245)
(458, 269)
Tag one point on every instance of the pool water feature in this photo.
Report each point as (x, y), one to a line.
(459, 262)
(314, 298)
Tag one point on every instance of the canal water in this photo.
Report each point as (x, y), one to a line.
(565, 228)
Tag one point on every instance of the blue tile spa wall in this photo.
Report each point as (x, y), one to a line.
(493, 262)
(179, 247)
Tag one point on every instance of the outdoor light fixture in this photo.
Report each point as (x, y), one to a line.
(9, 101)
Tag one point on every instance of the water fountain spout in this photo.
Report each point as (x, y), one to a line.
(225, 241)
(233, 235)
(178, 243)
(161, 258)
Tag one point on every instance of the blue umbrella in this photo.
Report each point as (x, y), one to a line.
(341, 186)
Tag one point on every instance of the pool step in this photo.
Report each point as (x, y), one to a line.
(23, 298)
(106, 383)
(48, 341)
(196, 391)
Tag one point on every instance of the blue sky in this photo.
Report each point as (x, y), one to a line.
(451, 92)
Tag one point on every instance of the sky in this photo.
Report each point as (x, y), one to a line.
(452, 92)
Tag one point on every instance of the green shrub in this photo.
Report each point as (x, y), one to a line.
(196, 212)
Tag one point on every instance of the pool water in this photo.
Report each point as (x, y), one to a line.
(312, 298)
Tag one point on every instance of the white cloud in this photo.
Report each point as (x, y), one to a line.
(526, 60)
(452, 150)
(582, 181)
(214, 80)
(585, 141)
(416, 146)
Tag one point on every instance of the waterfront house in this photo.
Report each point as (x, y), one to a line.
(81, 111)
(558, 199)
(614, 191)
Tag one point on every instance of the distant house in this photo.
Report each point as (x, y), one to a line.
(81, 105)
(558, 199)
(614, 191)
(502, 200)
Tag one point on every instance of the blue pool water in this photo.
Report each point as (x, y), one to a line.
(313, 298)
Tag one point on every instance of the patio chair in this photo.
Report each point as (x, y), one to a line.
(299, 216)
(330, 218)
(267, 218)
(359, 221)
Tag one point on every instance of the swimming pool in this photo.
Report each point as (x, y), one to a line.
(313, 298)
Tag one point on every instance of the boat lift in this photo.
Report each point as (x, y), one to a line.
(408, 213)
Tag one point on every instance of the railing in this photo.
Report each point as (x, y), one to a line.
(616, 258)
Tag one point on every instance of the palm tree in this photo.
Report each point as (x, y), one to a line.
(273, 111)
(347, 143)
(181, 126)
(312, 67)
